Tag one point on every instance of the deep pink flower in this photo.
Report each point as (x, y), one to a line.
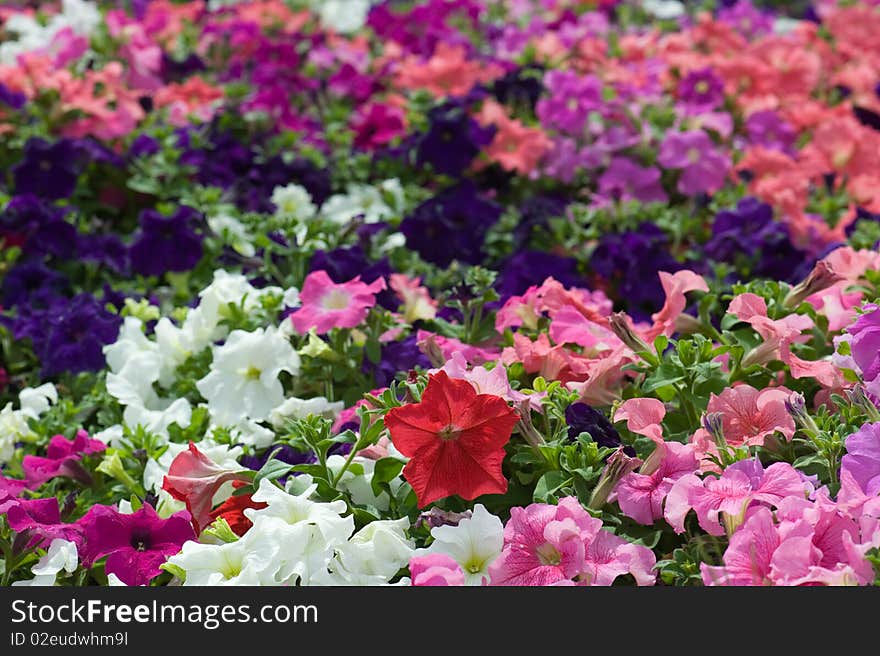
(62, 459)
(377, 125)
(41, 518)
(135, 544)
(435, 570)
(10, 488)
(641, 495)
(862, 459)
(327, 305)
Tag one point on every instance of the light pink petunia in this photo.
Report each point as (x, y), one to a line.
(486, 381)
(643, 416)
(417, 301)
(446, 346)
(641, 495)
(675, 285)
(609, 556)
(327, 305)
(435, 570)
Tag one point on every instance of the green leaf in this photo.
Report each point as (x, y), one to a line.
(550, 483)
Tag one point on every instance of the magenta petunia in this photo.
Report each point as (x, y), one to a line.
(62, 459)
(703, 166)
(135, 544)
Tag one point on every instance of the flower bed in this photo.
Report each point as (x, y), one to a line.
(439, 292)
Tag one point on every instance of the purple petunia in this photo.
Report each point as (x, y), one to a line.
(451, 226)
(703, 166)
(48, 170)
(166, 243)
(862, 459)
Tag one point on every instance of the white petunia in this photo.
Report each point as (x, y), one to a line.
(251, 560)
(294, 408)
(474, 544)
(365, 201)
(374, 554)
(293, 202)
(664, 9)
(33, 401)
(233, 232)
(359, 486)
(243, 381)
(61, 556)
(343, 16)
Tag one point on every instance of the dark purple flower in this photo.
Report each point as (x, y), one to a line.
(285, 453)
(520, 87)
(11, 98)
(37, 226)
(451, 226)
(583, 418)
(135, 544)
(104, 249)
(748, 237)
(27, 279)
(76, 334)
(396, 357)
(629, 261)
(48, 170)
(174, 70)
(143, 145)
(453, 139)
(528, 268)
(166, 243)
(535, 212)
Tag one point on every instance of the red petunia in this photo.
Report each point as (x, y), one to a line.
(232, 510)
(454, 438)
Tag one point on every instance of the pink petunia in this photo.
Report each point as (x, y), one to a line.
(641, 494)
(728, 497)
(62, 459)
(564, 545)
(327, 305)
(643, 416)
(435, 570)
(544, 544)
(675, 285)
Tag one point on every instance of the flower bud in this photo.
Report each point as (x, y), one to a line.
(622, 327)
(821, 277)
(617, 466)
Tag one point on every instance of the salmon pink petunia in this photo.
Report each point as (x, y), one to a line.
(454, 438)
(327, 305)
(194, 479)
